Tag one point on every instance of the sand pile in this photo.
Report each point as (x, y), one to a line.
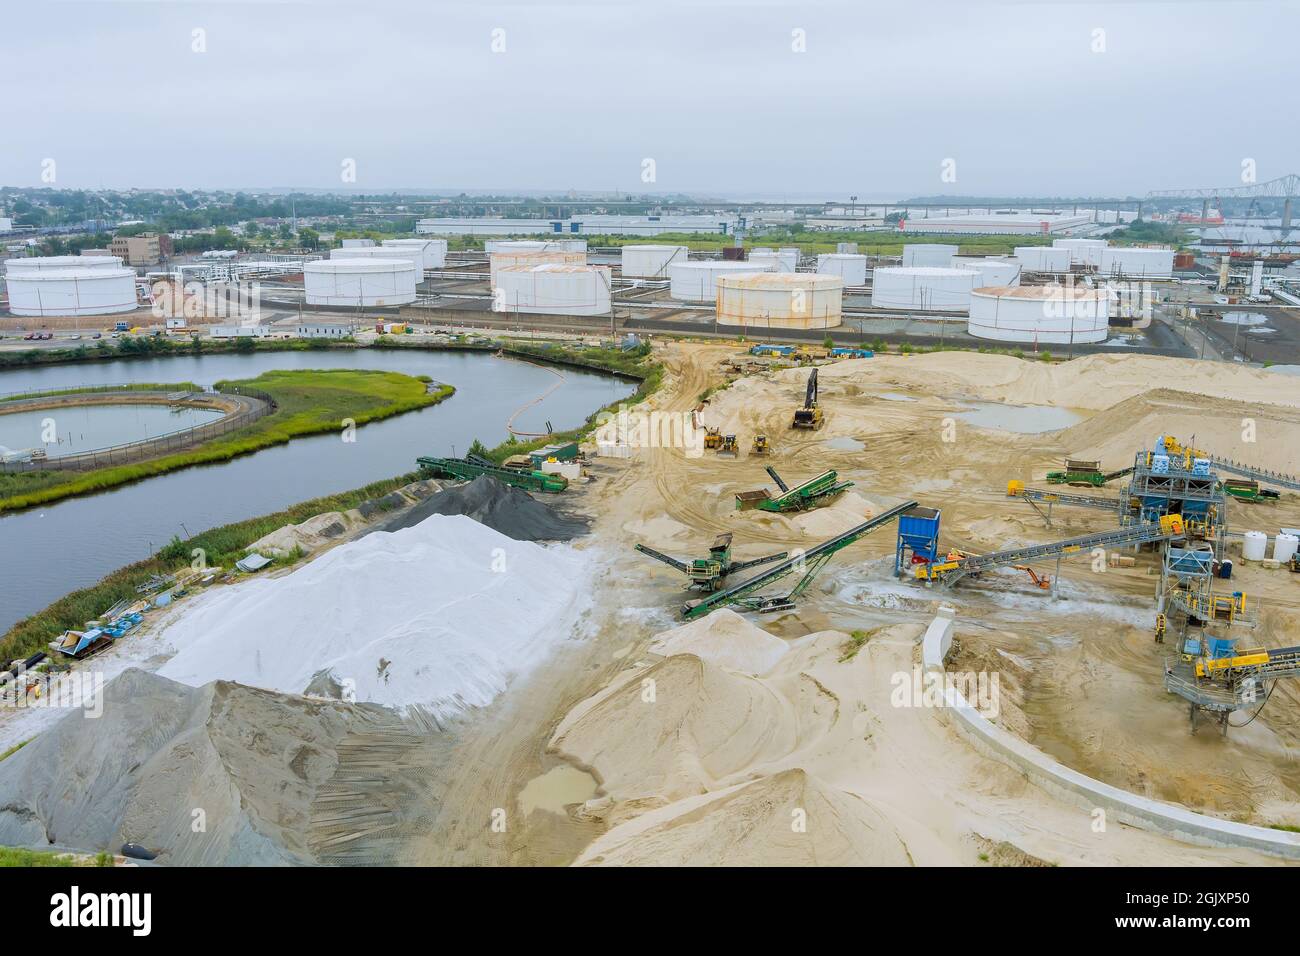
(675, 729)
(725, 639)
(251, 760)
(504, 508)
(308, 536)
(848, 510)
(787, 819)
(438, 615)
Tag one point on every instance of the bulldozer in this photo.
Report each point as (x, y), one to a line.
(761, 446)
(729, 447)
(810, 416)
(712, 437)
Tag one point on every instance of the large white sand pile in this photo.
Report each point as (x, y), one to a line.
(726, 639)
(676, 729)
(439, 615)
(787, 819)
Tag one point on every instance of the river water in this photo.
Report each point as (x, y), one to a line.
(48, 551)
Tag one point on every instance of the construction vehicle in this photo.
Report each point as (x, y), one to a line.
(1080, 472)
(810, 416)
(813, 492)
(712, 438)
(707, 574)
(729, 447)
(761, 446)
(807, 565)
(472, 466)
(1294, 563)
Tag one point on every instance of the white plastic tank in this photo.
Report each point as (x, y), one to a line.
(694, 281)
(1043, 258)
(849, 267)
(928, 254)
(992, 271)
(925, 288)
(1038, 313)
(1140, 263)
(553, 288)
(360, 281)
(1284, 545)
(1083, 251)
(782, 260)
(433, 252)
(650, 261)
(70, 291)
(1254, 545)
(780, 300)
(41, 263)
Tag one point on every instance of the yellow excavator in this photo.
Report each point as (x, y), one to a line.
(810, 416)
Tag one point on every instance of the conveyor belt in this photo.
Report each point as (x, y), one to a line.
(1259, 474)
(1081, 501)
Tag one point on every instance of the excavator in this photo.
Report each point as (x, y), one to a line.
(810, 416)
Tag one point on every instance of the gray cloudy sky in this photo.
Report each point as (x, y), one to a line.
(713, 92)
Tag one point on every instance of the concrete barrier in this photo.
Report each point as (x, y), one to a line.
(1083, 791)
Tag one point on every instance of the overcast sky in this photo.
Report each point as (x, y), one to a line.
(1021, 97)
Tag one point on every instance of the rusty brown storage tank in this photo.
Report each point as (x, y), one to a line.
(734, 253)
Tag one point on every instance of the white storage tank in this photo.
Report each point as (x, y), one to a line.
(394, 253)
(41, 263)
(69, 291)
(1254, 545)
(780, 300)
(1043, 258)
(535, 245)
(1040, 313)
(360, 281)
(849, 267)
(531, 257)
(1137, 262)
(553, 288)
(782, 260)
(694, 281)
(992, 271)
(433, 252)
(1082, 251)
(1284, 545)
(928, 254)
(927, 288)
(650, 261)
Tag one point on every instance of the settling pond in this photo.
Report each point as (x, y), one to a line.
(79, 428)
(46, 552)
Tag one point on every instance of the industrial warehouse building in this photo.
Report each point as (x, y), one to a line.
(601, 225)
(999, 223)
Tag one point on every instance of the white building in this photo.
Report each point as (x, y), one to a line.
(998, 223)
(323, 330)
(579, 225)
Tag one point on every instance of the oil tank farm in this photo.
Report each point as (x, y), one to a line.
(1041, 314)
(928, 254)
(553, 288)
(100, 290)
(535, 245)
(926, 288)
(1043, 258)
(1083, 252)
(782, 260)
(392, 253)
(695, 281)
(512, 258)
(42, 263)
(992, 271)
(432, 252)
(360, 282)
(1123, 262)
(849, 267)
(650, 261)
(780, 300)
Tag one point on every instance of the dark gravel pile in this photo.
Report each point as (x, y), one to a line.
(512, 511)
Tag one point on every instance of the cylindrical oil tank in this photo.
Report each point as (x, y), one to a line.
(1043, 314)
(1254, 545)
(694, 281)
(1284, 545)
(1137, 263)
(991, 271)
(553, 288)
(373, 281)
(1043, 258)
(69, 291)
(849, 267)
(41, 263)
(531, 257)
(650, 261)
(782, 260)
(394, 253)
(535, 245)
(1082, 251)
(927, 288)
(433, 252)
(780, 300)
(928, 254)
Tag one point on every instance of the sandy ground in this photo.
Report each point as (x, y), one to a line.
(1086, 671)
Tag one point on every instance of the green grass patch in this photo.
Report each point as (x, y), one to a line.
(310, 401)
(14, 749)
(13, 856)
